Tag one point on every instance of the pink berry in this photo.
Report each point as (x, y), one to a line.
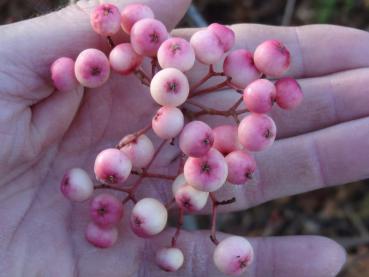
(177, 53)
(92, 68)
(196, 139)
(169, 259)
(289, 93)
(112, 166)
(167, 122)
(133, 13)
(257, 132)
(191, 199)
(207, 46)
(259, 96)
(226, 139)
(187, 197)
(77, 185)
(106, 210)
(233, 255)
(272, 58)
(124, 60)
(207, 173)
(169, 87)
(241, 167)
(147, 35)
(62, 74)
(225, 35)
(140, 151)
(101, 237)
(148, 217)
(105, 19)
(239, 65)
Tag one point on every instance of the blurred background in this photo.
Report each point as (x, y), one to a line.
(341, 213)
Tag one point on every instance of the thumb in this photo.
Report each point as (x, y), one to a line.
(37, 42)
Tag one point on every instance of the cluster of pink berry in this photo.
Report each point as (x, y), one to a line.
(212, 156)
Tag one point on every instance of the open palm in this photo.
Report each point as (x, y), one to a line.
(43, 133)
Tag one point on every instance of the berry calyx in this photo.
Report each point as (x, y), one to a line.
(106, 210)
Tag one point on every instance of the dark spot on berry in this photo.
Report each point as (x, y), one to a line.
(137, 221)
(268, 134)
(205, 168)
(244, 262)
(172, 86)
(111, 179)
(95, 71)
(249, 175)
(186, 203)
(107, 11)
(174, 48)
(102, 211)
(154, 37)
(157, 115)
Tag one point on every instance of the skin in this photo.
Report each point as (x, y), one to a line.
(43, 135)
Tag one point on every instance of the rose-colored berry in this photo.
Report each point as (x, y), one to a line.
(257, 132)
(169, 259)
(226, 139)
(77, 185)
(147, 35)
(101, 237)
(177, 53)
(168, 122)
(148, 217)
(139, 150)
(133, 13)
(207, 46)
(124, 60)
(196, 139)
(239, 65)
(233, 255)
(169, 87)
(105, 19)
(62, 74)
(187, 197)
(112, 166)
(289, 93)
(259, 96)
(92, 68)
(272, 58)
(225, 35)
(106, 210)
(241, 167)
(207, 173)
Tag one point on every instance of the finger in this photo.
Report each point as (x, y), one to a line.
(32, 45)
(315, 49)
(328, 100)
(303, 256)
(332, 156)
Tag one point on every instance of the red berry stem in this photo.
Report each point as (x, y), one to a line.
(153, 175)
(136, 185)
(154, 66)
(143, 77)
(170, 204)
(111, 42)
(179, 226)
(209, 90)
(211, 73)
(214, 205)
(103, 186)
(135, 136)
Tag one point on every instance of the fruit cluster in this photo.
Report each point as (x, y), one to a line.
(211, 157)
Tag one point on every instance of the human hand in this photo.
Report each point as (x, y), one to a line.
(45, 132)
